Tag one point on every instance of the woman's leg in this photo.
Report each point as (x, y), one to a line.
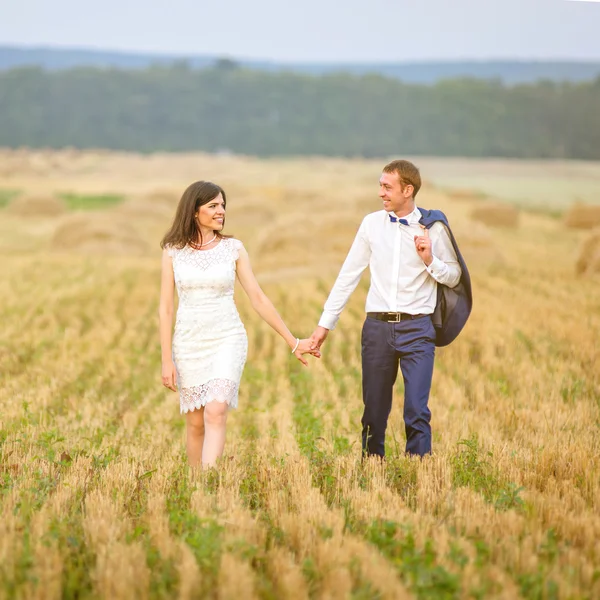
(195, 436)
(215, 418)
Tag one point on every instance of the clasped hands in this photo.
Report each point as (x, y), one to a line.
(311, 345)
(305, 346)
(423, 247)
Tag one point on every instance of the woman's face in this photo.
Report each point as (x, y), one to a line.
(212, 214)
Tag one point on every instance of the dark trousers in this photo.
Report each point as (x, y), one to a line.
(412, 343)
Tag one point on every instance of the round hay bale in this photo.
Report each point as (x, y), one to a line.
(37, 206)
(296, 240)
(98, 234)
(588, 262)
(582, 216)
(496, 215)
(476, 243)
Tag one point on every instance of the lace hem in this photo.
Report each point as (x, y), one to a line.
(219, 390)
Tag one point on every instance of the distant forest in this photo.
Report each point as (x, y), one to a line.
(226, 107)
(426, 72)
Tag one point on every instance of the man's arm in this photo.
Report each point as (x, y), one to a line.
(444, 267)
(346, 282)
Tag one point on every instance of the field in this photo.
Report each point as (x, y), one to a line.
(546, 186)
(96, 500)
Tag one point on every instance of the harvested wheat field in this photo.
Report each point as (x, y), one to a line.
(96, 500)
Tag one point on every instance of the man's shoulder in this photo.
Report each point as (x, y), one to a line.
(429, 216)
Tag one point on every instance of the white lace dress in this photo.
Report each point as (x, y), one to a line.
(209, 342)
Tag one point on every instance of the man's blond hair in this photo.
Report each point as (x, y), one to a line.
(407, 173)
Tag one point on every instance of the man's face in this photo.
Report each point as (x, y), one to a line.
(391, 192)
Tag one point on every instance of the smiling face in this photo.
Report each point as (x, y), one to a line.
(212, 214)
(396, 196)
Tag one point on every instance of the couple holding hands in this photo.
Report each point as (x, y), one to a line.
(419, 298)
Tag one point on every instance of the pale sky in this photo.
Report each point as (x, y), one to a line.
(313, 30)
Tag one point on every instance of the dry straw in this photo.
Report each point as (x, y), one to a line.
(37, 206)
(141, 208)
(496, 215)
(297, 240)
(476, 243)
(588, 262)
(98, 233)
(167, 197)
(582, 216)
(247, 215)
(465, 195)
(301, 515)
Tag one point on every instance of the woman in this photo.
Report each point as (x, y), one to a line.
(206, 355)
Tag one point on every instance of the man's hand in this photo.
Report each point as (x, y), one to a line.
(318, 337)
(423, 246)
(305, 347)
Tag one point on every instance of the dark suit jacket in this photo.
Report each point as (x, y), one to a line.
(453, 305)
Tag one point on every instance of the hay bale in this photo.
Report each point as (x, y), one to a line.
(295, 241)
(476, 244)
(37, 206)
(588, 262)
(496, 215)
(582, 216)
(98, 233)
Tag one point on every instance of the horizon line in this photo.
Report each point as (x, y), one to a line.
(182, 56)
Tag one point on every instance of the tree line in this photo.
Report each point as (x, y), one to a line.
(228, 108)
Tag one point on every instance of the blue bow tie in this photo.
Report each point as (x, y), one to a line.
(394, 219)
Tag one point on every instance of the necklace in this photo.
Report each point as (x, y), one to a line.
(205, 243)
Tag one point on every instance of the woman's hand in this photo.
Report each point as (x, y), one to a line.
(169, 375)
(304, 347)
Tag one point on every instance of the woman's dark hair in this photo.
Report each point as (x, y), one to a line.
(184, 229)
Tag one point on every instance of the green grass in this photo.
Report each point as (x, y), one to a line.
(417, 566)
(72, 200)
(203, 536)
(6, 196)
(472, 467)
(91, 201)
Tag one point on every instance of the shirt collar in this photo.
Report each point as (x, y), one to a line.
(412, 217)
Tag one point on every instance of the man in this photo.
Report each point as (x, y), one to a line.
(409, 252)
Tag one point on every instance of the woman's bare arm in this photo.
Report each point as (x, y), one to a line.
(165, 314)
(265, 309)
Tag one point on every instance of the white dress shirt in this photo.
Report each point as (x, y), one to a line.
(400, 280)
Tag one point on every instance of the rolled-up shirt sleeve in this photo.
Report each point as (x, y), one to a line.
(444, 268)
(356, 262)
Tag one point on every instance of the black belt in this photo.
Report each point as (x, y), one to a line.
(394, 317)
